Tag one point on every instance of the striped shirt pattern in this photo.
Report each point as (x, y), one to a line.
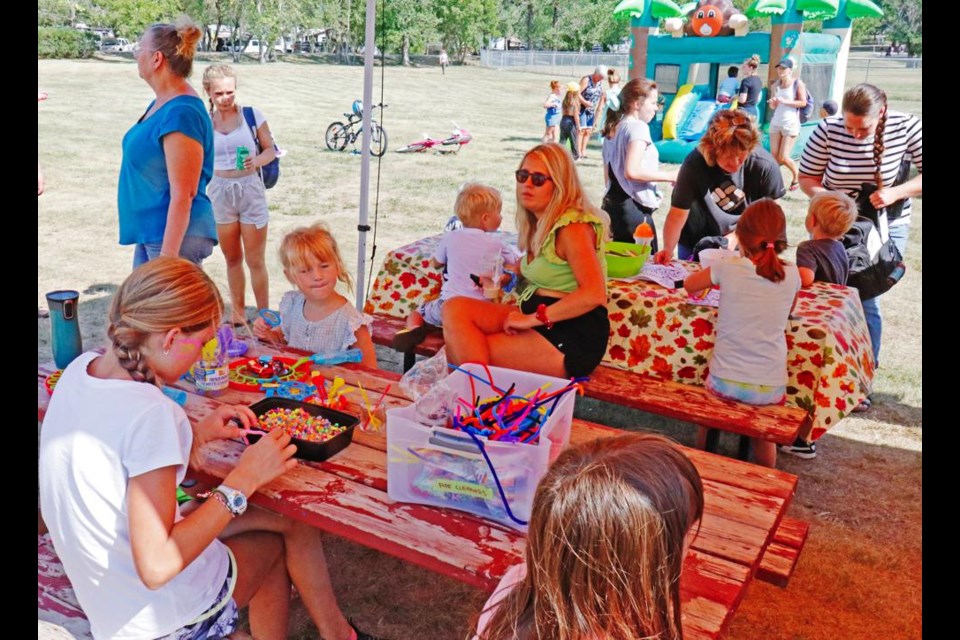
(845, 162)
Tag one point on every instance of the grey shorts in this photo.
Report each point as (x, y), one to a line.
(242, 200)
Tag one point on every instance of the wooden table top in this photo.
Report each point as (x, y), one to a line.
(347, 496)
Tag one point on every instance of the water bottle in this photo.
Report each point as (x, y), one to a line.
(64, 327)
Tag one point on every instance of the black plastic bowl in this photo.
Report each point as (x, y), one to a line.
(306, 450)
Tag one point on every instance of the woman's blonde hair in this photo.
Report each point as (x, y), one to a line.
(730, 130)
(177, 42)
(163, 294)
(474, 200)
(612, 77)
(753, 62)
(605, 545)
(568, 194)
(216, 72)
(315, 243)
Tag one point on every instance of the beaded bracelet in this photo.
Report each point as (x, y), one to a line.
(541, 315)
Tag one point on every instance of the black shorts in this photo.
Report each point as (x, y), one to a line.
(581, 340)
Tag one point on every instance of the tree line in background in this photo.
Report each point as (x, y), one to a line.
(406, 26)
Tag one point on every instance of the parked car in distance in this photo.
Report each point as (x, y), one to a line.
(302, 47)
(116, 45)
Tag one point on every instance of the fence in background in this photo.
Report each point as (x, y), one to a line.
(862, 68)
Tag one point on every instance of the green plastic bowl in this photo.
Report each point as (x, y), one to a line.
(620, 264)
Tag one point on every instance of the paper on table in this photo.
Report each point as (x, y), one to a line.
(665, 275)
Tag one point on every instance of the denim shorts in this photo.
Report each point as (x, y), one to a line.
(552, 120)
(193, 248)
(432, 312)
(587, 118)
(242, 200)
(220, 620)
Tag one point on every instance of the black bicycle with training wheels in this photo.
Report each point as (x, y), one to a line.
(340, 134)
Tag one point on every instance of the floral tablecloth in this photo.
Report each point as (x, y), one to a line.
(658, 332)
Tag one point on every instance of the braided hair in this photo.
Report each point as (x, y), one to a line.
(869, 100)
(163, 294)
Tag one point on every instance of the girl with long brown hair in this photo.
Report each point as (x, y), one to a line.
(611, 523)
(631, 161)
(757, 293)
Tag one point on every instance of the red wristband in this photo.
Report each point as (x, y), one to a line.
(541, 315)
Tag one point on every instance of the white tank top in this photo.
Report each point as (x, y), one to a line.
(225, 144)
(784, 114)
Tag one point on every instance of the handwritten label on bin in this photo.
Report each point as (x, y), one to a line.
(463, 488)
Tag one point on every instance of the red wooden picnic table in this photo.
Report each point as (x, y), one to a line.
(347, 496)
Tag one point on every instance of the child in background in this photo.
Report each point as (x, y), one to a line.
(728, 87)
(113, 449)
(828, 108)
(823, 257)
(611, 523)
(570, 122)
(315, 317)
(461, 253)
(757, 293)
(552, 117)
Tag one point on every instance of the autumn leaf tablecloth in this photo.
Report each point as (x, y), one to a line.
(658, 332)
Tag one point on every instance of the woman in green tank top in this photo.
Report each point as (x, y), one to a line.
(560, 326)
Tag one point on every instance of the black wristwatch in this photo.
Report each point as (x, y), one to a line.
(235, 501)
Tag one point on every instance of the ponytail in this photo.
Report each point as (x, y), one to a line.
(632, 93)
(762, 233)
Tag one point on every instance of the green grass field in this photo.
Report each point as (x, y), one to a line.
(860, 574)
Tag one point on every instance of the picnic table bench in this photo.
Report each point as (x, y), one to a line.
(691, 403)
(663, 335)
(346, 496)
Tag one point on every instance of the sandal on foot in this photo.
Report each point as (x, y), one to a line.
(794, 185)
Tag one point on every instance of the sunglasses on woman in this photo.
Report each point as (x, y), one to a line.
(538, 179)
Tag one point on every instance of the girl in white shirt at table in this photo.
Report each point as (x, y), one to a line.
(611, 523)
(757, 294)
(113, 449)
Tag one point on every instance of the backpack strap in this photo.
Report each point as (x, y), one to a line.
(252, 123)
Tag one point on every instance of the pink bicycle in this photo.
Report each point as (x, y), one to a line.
(451, 144)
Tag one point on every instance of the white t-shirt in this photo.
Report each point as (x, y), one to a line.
(751, 346)
(98, 434)
(225, 144)
(786, 116)
(630, 130)
(463, 250)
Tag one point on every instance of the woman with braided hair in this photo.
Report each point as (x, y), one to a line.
(868, 145)
(113, 449)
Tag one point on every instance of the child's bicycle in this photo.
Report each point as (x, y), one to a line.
(457, 139)
(339, 135)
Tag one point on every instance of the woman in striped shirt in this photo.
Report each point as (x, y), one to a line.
(867, 143)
